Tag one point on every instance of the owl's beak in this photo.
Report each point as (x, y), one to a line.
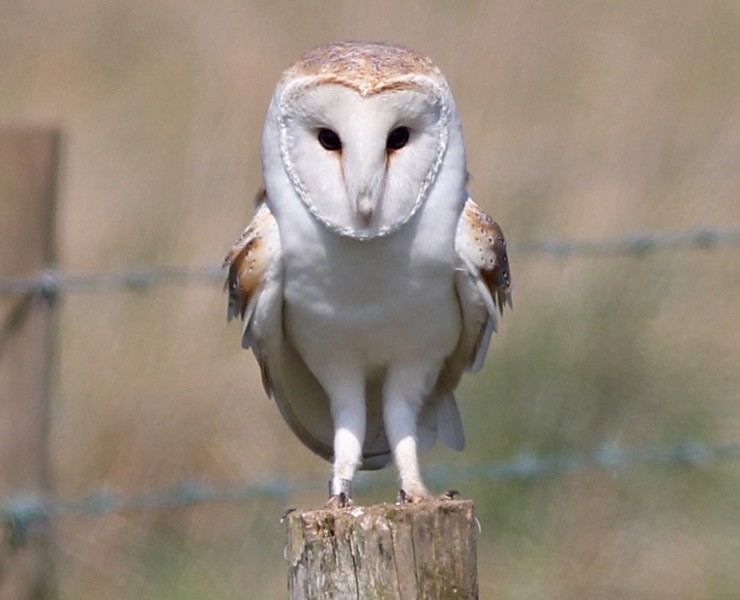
(365, 209)
(368, 176)
(364, 167)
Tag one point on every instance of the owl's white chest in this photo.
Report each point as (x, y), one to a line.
(371, 303)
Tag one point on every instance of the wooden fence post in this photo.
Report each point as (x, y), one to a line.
(28, 171)
(423, 551)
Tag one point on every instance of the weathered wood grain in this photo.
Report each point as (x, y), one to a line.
(385, 552)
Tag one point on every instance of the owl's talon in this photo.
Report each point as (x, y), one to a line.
(338, 501)
(405, 497)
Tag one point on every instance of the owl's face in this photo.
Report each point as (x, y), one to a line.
(361, 151)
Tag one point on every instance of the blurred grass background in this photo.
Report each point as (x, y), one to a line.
(583, 120)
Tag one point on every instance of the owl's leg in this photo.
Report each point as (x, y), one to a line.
(405, 388)
(347, 399)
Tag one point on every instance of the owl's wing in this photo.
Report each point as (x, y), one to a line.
(481, 247)
(253, 261)
(255, 287)
(483, 286)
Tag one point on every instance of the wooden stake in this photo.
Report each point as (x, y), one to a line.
(28, 173)
(423, 551)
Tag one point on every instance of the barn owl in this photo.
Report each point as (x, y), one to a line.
(368, 280)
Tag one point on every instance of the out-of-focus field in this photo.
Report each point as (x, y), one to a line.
(584, 120)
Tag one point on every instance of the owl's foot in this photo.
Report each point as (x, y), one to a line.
(340, 493)
(341, 500)
(405, 497)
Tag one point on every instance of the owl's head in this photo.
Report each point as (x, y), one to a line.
(361, 130)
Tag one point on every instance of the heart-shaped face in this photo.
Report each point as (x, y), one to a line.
(362, 139)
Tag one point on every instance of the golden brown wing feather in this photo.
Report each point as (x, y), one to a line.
(250, 258)
(483, 285)
(482, 242)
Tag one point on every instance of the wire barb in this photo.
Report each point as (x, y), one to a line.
(638, 244)
(51, 282)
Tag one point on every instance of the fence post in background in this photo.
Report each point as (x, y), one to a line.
(385, 552)
(29, 159)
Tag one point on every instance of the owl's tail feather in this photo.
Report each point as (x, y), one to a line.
(441, 421)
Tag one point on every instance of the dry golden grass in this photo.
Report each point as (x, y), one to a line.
(583, 120)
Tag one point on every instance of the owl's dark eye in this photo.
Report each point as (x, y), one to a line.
(397, 138)
(329, 140)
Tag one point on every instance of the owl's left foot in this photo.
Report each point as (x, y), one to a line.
(405, 497)
(341, 500)
(340, 494)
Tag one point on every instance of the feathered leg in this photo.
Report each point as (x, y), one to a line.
(403, 394)
(347, 397)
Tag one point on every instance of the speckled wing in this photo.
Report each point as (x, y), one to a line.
(485, 279)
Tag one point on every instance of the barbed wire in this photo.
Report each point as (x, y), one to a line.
(637, 243)
(21, 512)
(51, 282)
